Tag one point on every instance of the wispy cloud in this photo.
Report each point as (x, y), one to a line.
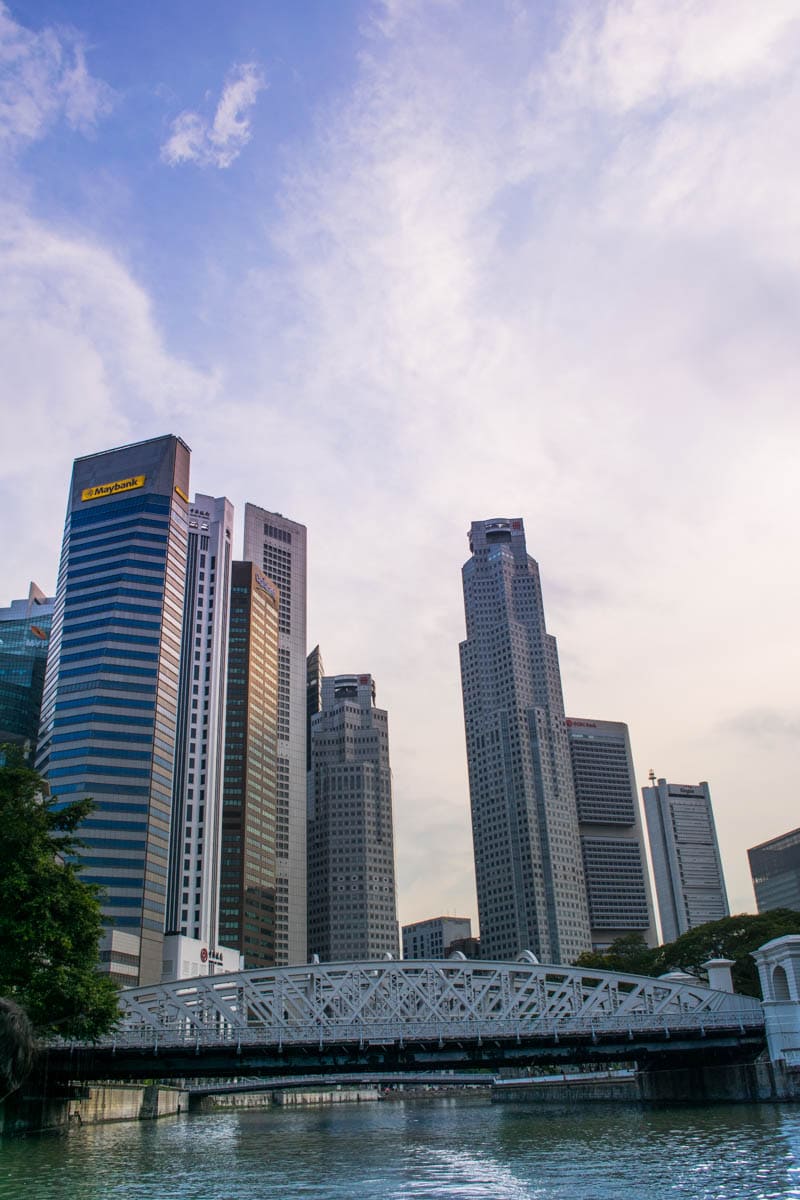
(217, 143)
(43, 78)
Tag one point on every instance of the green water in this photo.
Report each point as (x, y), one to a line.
(453, 1148)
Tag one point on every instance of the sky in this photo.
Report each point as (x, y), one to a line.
(391, 266)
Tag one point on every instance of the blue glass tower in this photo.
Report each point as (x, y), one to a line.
(109, 711)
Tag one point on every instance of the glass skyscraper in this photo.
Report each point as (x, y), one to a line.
(528, 866)
(109, 712)
(248, 867)
(24, 639)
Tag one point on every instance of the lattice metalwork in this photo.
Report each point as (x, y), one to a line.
(416, 1000)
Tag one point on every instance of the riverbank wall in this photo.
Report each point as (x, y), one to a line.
(30, 1110)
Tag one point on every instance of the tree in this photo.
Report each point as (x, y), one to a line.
(732, 937)
(50, 920)
(629, 954)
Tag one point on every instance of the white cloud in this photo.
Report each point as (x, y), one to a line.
(43, 77)
(219, 142)
(554, 272)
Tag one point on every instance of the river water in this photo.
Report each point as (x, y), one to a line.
(449, 1148)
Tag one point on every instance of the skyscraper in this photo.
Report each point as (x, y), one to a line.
(775, 870)
(110, 706)
(193, 888)
(278, 547)
(24, 638)
(248, 908)
(351, 880)
(612, 838)
(687, 867)
(528, 868)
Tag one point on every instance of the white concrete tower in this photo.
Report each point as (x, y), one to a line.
(193, 888)
(528, 868)
(278, 546)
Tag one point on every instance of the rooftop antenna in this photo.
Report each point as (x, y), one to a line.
(652, 776)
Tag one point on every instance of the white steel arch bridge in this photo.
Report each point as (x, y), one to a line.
(399, 1003)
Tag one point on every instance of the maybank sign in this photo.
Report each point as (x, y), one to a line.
(102, 490)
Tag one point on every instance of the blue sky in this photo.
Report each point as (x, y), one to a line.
(390, 266)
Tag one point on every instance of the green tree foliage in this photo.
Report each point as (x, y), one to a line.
(49, 919)
(732, 937)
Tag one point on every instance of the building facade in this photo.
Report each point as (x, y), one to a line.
(24, 640)
(248, 873)
(110, 704)
(351, 875)
(278, 547)
(528, 866)
(193, 888)
(432, 938)
(611, 832)
(775, 870)
(687, 868)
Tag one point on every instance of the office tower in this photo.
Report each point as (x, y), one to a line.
(612, 838)
(314, 673)
(24, 638)
(191, 945)
(687, 868)
(352, 911)
(775, 869)
(278, 547)
(528, 869)
(110, 706)
(248, 907)
(432, 938)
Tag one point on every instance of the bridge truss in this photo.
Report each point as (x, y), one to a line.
(403, 1002)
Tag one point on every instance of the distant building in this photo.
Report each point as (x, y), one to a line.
(352, 913)
(528, 866)
(612, 837)
(110, 702)
(248, 900)
(687, 867)
(314, 673)
(278, 547)
(775, 868)
(193, 888)
(434, 937)
(24, 640)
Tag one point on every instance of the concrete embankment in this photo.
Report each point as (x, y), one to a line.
(31, 1111)
(569, 1089)
(283, 1097)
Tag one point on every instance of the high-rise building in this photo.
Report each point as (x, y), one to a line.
(278, 547)
(248, 907)
(690, 886)
(110, 705)
(432, 938)
(193, 887)
(528, 867)
(351, 879)
(612, 838)
(775, 869)
(24, 638)
(314, 673)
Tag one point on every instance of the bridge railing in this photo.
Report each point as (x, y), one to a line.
(182, 1033)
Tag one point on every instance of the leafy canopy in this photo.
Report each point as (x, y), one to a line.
(732, 937)
(50, 920)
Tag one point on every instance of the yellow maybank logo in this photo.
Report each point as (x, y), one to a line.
(101, 490)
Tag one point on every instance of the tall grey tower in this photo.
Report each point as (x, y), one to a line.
(278, 546)
(687, 867)
(528, 869)
(351, 882)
